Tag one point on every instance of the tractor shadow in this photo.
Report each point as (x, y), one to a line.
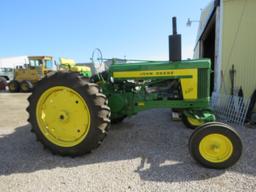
(157, 144)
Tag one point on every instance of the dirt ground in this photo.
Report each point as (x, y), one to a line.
(147, 152)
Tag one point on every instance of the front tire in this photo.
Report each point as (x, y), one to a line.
(215, 145)
(14, 86)
(190, 122)
(68, 114)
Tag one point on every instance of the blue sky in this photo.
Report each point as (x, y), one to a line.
(64, 28)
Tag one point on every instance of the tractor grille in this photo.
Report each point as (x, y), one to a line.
(203, 83)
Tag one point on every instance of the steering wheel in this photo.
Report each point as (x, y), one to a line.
(97, 60)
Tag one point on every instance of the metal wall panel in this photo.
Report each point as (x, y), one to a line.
(239, 45)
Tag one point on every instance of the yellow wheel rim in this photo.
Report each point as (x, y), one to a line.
(194, 122)
(63, 116)
(216, 148)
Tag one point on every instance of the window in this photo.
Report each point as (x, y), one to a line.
(6, 70)
(35, 63)
(48, 64)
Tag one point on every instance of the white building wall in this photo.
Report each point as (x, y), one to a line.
(12, 62)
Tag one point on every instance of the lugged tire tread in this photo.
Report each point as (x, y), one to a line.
(98, 106)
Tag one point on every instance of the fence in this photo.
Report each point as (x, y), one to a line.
(229, 108)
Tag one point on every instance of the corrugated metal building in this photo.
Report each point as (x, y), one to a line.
(227, 35)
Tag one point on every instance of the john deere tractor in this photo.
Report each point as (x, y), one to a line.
(25, 77)
(71, 115)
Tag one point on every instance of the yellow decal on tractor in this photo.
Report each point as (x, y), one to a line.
(188, 78)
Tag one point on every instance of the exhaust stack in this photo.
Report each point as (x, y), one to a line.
(174, 43)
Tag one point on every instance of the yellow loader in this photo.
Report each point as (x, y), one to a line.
(26, 76)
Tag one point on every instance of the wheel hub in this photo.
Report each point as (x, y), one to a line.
(12, 86)
(63, 116)
(216, 148)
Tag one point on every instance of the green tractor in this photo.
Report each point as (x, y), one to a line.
(71, 114)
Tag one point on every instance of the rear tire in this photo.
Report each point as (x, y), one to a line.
(26, 86)
(215, 145)
(94, 102)
(14, 86)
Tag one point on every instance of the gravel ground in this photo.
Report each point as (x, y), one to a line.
(147, 152)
